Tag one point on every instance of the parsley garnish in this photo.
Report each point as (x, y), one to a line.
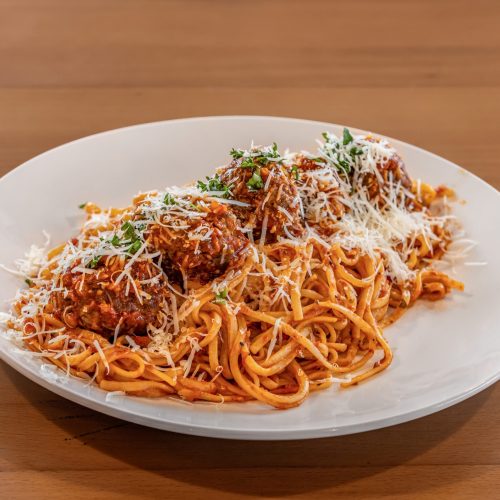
(130, 238)
(115, 241)
(337, 155)
(256, 157)
(82, 205)
(169, 200)
(295, 172)
(28, 282)
(221, 297)
(347, 137)
(128, 230)
(344, 165)
(135, 246)
(215, 184)
(255, 182)
(248, 163)
(93, 263)
(236, 153)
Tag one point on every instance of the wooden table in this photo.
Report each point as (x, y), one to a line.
(427, 72)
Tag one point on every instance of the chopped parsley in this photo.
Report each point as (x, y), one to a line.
(343, 165)
(169, 200)
(130, 238)
(128, 230)
(248, 163)
(135, 246)
(221, 297)
(215, 184)
(82, 205)
(28, 282)
(255, 182)
(93, 263)
(348, 138)
(236, 153)
(342, 158)
(295, 172)
(115, 241)
(257, 157)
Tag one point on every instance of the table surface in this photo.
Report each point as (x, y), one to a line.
(426, 72)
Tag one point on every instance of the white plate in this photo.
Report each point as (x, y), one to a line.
(444, 352)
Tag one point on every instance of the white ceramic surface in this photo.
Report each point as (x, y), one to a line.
(444, 352)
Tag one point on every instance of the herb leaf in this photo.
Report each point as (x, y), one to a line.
(135, 246)
(354, 151)
(115, 240)
(28, 282)
(255, 182)
(93, 263)
(169, 199)
(215, 184)
(347, 137)
(295, 172)
(248, 163)
(129, 231)
(221, 297)
(257, 157)
(83, 205)
(236, 153)
(344, 165)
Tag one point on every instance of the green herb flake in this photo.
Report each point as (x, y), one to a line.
(354, 151)
(29, 282)
(129, 231)
(135, 246)
(344, 165)
(255, 182)
(257, 157)
(83, 205)
(248, 163)
(169, 200)
(115, 241)
(221, 297)
(295, 172)
(93, 263)
(348, 138)
(215, 184)
(236, 153)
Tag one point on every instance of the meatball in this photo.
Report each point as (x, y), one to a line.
(199, 245)
(392, 170)
(320, 192)
(271, 198)
(97, 301)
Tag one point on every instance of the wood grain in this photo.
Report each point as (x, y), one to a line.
(426, 72)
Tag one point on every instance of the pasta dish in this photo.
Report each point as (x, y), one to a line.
(268, 280)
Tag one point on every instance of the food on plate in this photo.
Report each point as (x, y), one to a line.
(268, 280)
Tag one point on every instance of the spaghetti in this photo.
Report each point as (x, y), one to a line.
(269, 280)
